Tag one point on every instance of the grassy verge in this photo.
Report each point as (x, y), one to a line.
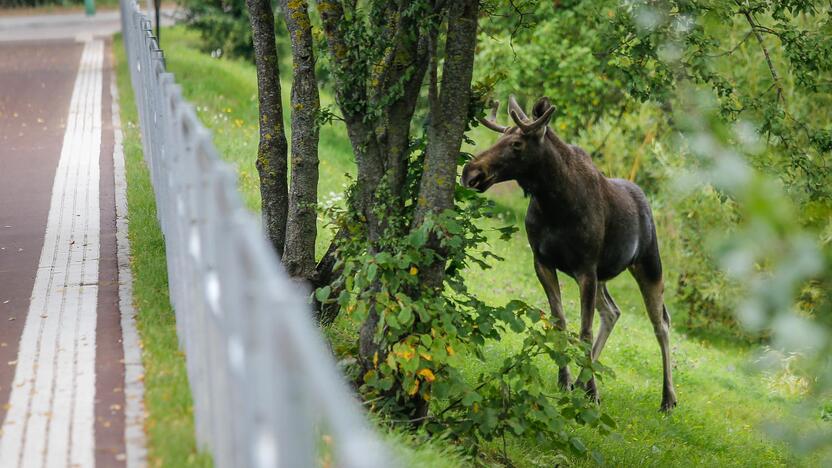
(169, 424)
(723, 401)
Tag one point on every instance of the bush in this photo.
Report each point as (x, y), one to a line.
(707, 293)
(224, 28)
(222, 24)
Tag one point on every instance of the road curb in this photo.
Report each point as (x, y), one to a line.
(134, 413)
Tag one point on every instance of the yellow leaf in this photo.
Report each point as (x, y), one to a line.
(427, 374)
(413, 271)
(426, 356)
(375, 359)
(476, 407)
(449, 350)
(414, 388)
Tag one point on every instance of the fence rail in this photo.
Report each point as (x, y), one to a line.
(265, 388)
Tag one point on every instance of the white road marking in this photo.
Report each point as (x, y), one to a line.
(133, 370)
(51, 416)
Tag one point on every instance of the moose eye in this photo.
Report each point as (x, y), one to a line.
(518, 145)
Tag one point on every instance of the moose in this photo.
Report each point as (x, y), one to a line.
(578, 222)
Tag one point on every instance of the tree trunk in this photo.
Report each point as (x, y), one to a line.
(301, 228)
(271, 152)
(448, 118)
(449, 111)
(351, 94)
(378, 103)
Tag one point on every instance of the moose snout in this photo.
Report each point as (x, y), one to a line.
(471, 176)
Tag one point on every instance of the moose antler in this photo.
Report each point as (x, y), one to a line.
(491, 121)
(521, 119)
(513, 106)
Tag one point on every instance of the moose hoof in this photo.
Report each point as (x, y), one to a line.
(668, 405)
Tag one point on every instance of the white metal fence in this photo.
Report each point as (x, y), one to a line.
(266, 390)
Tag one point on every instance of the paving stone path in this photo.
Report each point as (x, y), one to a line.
(70, 370)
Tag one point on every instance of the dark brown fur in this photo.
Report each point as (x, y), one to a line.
(581, 223)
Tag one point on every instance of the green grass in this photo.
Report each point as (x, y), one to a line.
(169, 424)
(723, 401)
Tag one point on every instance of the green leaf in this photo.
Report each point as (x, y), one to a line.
(418, 237)
(470, 398)
(598, 457)
(405, 315)
(608, 420)
(384, 258)
(391, 320)
(322, 294)
(578, 445)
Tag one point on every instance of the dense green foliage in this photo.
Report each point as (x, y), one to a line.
(725, 401)
(608, 64)
(743, 87)
(719, 110)
(223, 25)
(622, 74)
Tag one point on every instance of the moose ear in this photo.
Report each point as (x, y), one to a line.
(541, 106)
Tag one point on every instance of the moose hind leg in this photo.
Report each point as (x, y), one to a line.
(549, 280)
(609, 313)
(652, 290)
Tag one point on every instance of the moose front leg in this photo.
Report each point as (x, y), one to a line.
(549, 279)
(588, 284)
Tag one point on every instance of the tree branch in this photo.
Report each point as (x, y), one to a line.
(755, 28)
(733, 49)
(350, 93)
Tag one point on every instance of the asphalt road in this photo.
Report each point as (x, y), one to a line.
(61, 358)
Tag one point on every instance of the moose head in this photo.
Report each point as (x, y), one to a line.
(517, 152)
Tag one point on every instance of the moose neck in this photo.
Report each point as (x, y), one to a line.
(560, 183)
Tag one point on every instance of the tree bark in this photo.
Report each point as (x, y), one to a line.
(380, 143)
(271, 152)
(301, 227)
(448, 118)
